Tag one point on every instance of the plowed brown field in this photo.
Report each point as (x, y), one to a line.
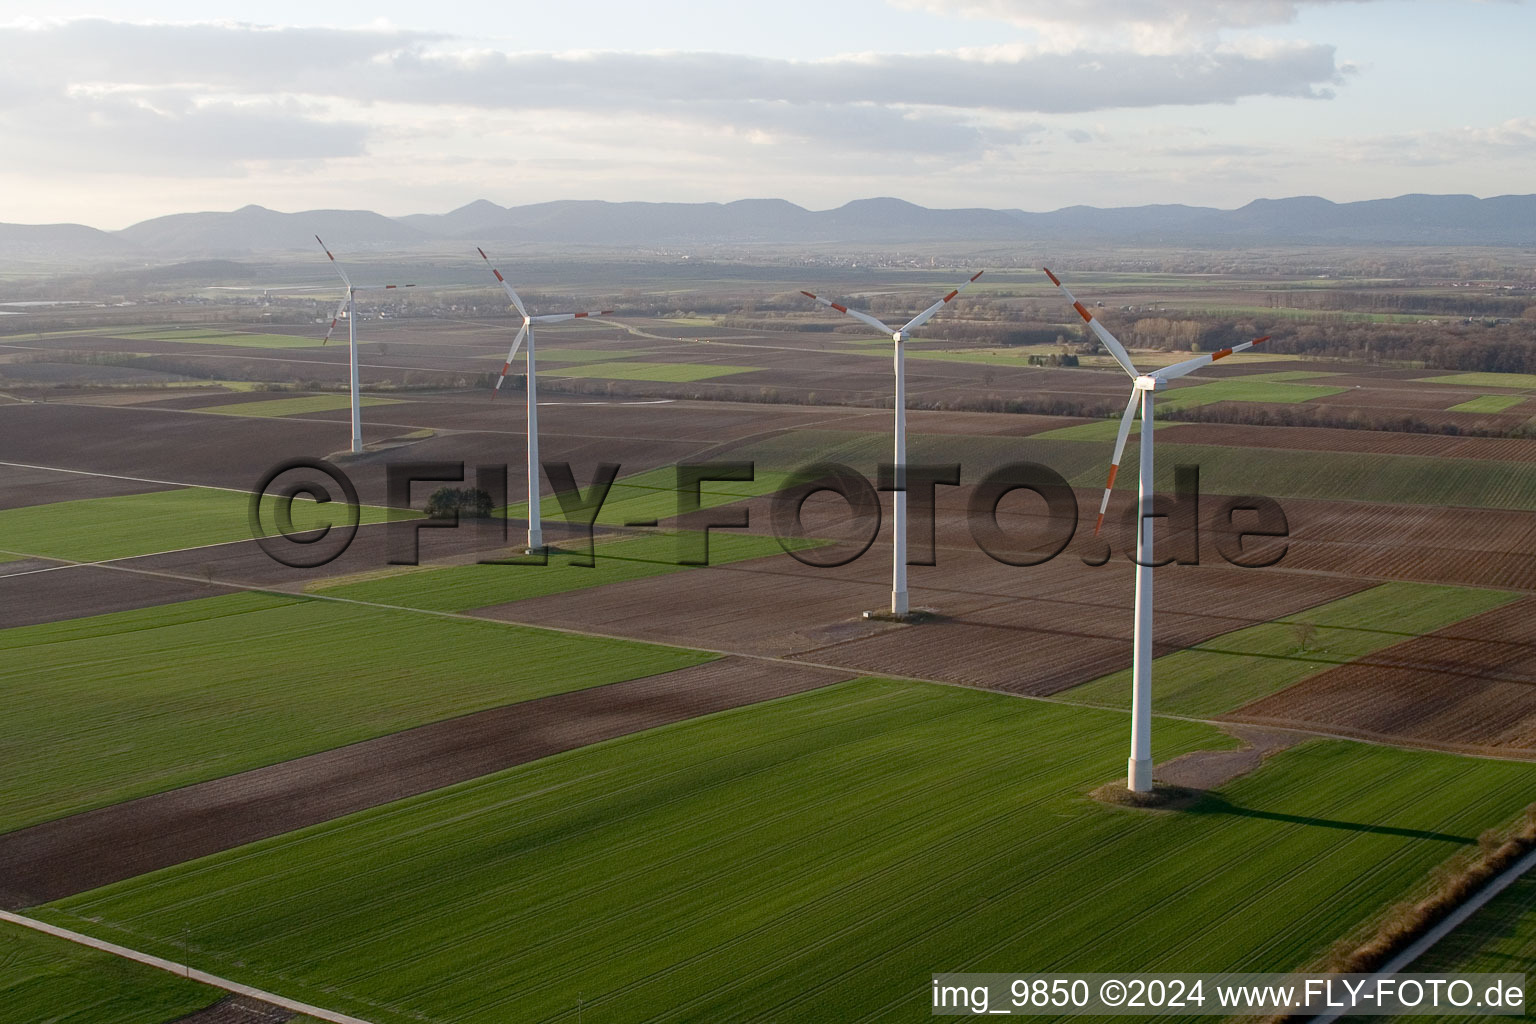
(1324, 439)
(1471, 686)
(1031, 630)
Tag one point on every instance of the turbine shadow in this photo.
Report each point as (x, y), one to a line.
(1214, 804)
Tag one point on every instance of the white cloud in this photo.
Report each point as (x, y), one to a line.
(1145, 26)
(173, 81)
(1514, 138)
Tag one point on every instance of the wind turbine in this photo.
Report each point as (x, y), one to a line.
(1139, 767)
(349, 306)
(899, 605)
(535, 530)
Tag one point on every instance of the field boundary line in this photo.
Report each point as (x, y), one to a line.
(120, 476)
(1453, 921)
(181, 970)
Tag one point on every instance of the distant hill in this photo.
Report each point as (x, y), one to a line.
(1303, 220)
(256, 228)
(58, 241)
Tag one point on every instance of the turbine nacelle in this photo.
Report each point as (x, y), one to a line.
(1148, 382)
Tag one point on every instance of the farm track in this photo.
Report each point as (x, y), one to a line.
(83, 851)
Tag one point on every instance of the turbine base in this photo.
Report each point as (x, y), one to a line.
(899, 605)
(1138, 775)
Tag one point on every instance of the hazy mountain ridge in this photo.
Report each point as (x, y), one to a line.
(1301, 220)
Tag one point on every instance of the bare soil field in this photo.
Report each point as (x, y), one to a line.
(1348, 540)
(1473, 547)
(220, 451)
(1236, 369)
(244, 563)
(1324, 439)
(1471, 686)
(22, 566)
(83, 851)
(601, 417)
(213, 451)
(218, 399)
(1397, 395)
(47, 373)
(1034, 630)
(74, 591)
(1078, 626)
(21, 486)
(923, 421)
(145, 396)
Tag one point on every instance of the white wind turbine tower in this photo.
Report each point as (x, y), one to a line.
(535, 530)
(1139, 768)
(349, 306)
(899, 603)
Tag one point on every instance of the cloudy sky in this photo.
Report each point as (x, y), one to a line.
(117, 112)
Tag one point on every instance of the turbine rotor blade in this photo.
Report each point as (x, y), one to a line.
(1188, 365)
(347, 281)
(516, 302)
(928, 313)
(335, 319)
(1114, 466)
(506, 367)
(851, 312)
(549, 318)
(1109, 340)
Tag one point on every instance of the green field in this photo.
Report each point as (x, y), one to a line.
(101, 709)
(294, 406)
(1228, 671)
(463, 587)
(1500, 938)
(1098, 430)
(1255, 387)
(1485, 380)
(1014, 358)
(1489, 403)
(45, 980)
(579, 355)
(673, 373)
(238, 339)
(100, 529)
(813, 858)
(1278, 473)
(654, 495)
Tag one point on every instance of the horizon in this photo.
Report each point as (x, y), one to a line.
(751, 199)
(993, 104)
